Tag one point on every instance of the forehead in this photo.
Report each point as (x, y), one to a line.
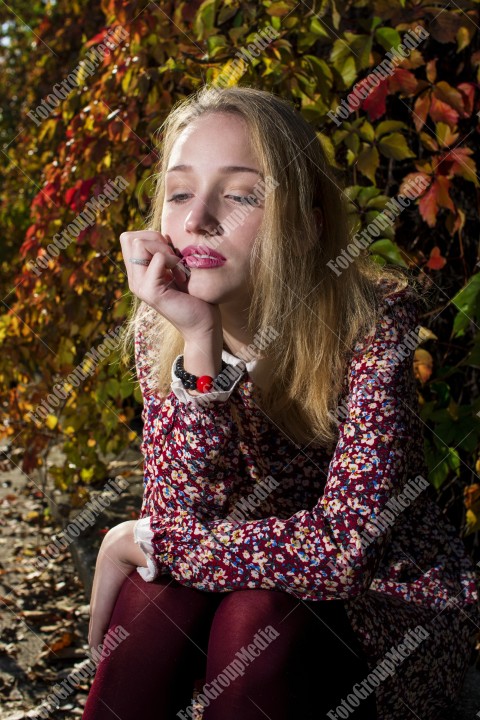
(211, 138)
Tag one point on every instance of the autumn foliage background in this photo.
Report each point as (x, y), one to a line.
(424, 118)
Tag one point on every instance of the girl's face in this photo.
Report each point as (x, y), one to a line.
(211, 171)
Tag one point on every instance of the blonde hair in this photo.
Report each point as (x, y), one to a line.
(318, 314)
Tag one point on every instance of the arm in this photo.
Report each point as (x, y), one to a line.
(317, 554)
(187, 462)
(174, 458)
(117, 558)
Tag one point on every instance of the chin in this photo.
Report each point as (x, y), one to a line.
(206, 294)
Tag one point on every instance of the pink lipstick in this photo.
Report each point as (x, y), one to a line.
(202, 257)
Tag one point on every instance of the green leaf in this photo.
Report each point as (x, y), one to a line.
(318, 28)
(395, 146)
(343, 61)
(441, 462)
(467, 302)
(126, 388)
(388, 250)
(378, 203)
(367, 132)
(388, 126)
(112, 386)
(366, 194)
(352, 141)
(361, 46)
(328, 147)
(387, 37)
(204, 22)
(368, 161)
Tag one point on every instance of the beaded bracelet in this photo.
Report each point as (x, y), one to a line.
(192, 382)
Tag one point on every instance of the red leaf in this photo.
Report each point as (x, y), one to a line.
(436, 261)
(76, 196)
(97, 38)
(48, 192)
(375, 104)
(468, 92)
(402, 81)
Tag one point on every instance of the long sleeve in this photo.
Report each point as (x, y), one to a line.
(320, 553)
(184, 447)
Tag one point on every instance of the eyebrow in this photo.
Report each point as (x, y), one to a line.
(225, 169)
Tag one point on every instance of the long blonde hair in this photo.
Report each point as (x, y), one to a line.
(318, 314)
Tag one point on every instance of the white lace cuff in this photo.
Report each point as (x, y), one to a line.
(143, 534)
(231, 375)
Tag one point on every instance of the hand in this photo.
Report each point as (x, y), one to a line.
(164, 285)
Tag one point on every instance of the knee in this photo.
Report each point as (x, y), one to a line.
(247, 630)
(244, 612)
(137, 600)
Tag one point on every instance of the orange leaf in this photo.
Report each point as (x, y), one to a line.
(431, 70)
(463, 165)
(65, 640)
(420, 109)
(436, 261)
(448, 94)
(471, 499)
(435, 197)
(443, 198)
(422, 364)
(442, 112)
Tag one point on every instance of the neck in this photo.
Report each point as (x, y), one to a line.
(235, 333)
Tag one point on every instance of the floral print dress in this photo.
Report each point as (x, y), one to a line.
(230, 502)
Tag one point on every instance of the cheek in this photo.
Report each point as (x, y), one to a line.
(168, 220)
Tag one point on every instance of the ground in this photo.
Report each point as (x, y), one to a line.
(46, 611)
(45, 614)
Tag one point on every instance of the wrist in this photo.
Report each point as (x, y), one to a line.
(203, 355)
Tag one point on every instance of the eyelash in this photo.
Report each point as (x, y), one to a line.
(243, 200)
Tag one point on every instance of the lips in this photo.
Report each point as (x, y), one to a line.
(200, 256)
(204, 252)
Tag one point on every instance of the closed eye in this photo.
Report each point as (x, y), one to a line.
(243, 199)
(246, 199)
(178, 198)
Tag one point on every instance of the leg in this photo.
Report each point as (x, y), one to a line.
(150, 674)
(333, 662)
(310, 663)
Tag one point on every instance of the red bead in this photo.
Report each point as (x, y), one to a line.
(204, 383)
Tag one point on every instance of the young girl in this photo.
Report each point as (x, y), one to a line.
(289, 560)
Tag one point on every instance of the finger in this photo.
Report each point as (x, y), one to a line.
(143, 246)
(168, 268)
(146, 242)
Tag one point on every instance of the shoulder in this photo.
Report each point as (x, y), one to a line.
(396, 316)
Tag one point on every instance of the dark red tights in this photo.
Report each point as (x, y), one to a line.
(179, 634)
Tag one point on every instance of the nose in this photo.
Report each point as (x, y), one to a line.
(201, 220)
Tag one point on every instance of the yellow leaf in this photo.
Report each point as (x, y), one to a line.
(426, 334)
(51, 421)
(472, 522)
